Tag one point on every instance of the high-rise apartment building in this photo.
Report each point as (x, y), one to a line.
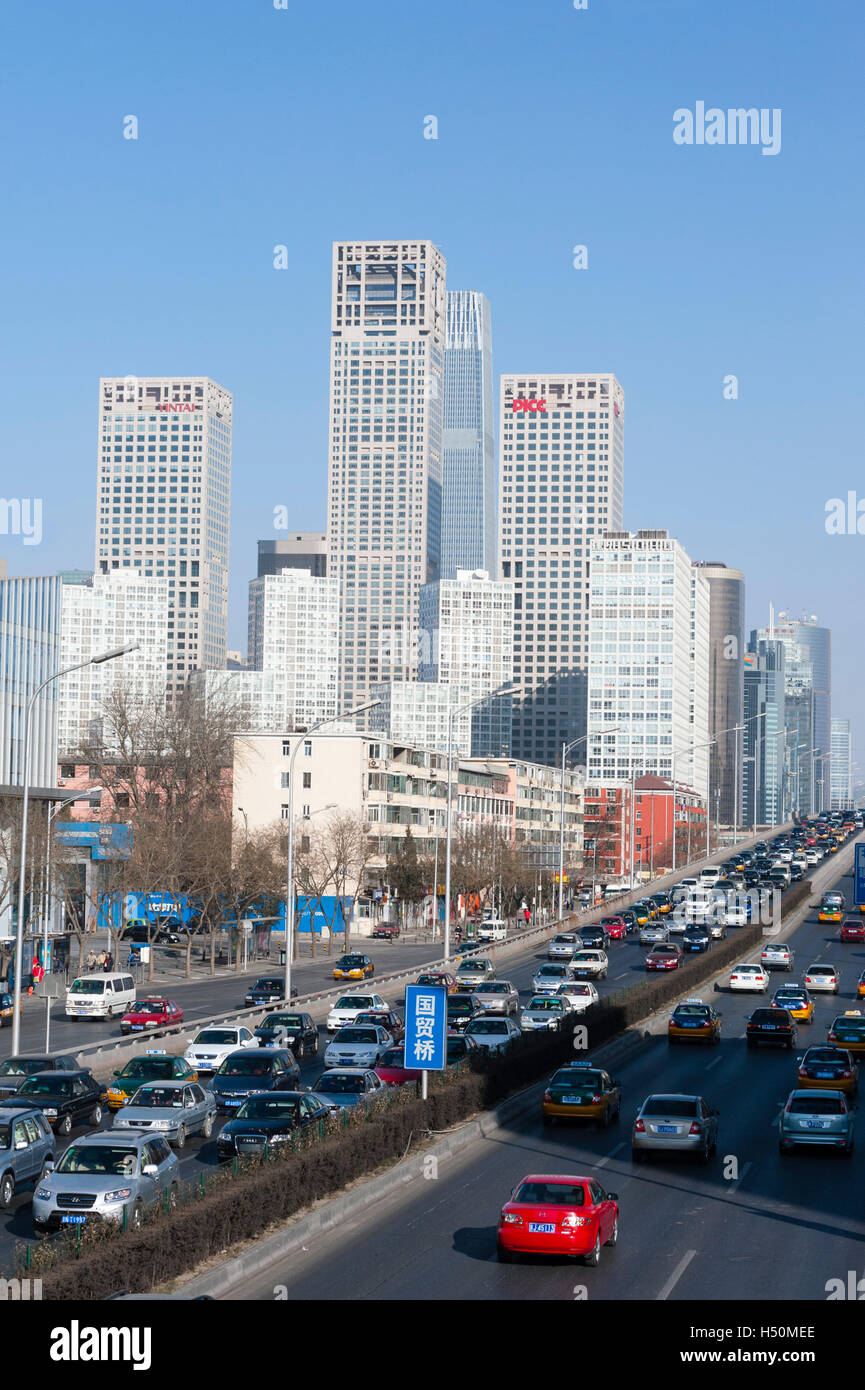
(164, 504)
(29, 654)
(648, 661)
(385, 451)
(841, 783)
(294, 629)
(808, 681)
(97, 614)
(468, 525)
(562, 463)
(467, 639)
(726, 682)
(305, 550)
(768, 779)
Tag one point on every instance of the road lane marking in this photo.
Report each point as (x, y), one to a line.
(675, 1276)
(714, 1064)
(612, 1154)
(734, 1186)
(622, 976)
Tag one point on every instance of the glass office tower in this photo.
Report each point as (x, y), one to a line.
(468, 446)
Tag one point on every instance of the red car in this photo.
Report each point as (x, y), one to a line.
(852, 929)
(151, 1013)
(439, 977)
(392, 1070)
(664, 957)
(385, 931)
(615, 927)
(549, 1214)
(385, 1018)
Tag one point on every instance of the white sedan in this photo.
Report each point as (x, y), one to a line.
(547, 979)
(592, 963)
(358, 1045)
(348, 1006)
(777, 955)
(578, 995)
(210, 1047)
(823, 978)
(751, 977)
(493, 1034)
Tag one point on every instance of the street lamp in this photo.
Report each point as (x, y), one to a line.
(452, 714)
(91, 794)
(566, 748)
(19, 932)
(289, 897)
(691, 748)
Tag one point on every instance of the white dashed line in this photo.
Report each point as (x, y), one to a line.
(676, 1276)
(618, 1149)
(734, 1186)
(710, 1065)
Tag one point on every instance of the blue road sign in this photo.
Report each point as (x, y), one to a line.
(859, 877)
(426, 1027)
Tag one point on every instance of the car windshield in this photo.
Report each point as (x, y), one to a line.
(670, 1105)
(576, 989)
(339, 1083)
(459, 1006)
(272, 986)
(551, 972)
(492, 989)
(356, 1035)
(350, 962)
(249, 1063)
(573, 1076)
(161, 1097)
(815, 1055)
(816, 1105)
(857, 1025)
(354, 1001)
(468, 965)
(543, 1004)
(149, 1006)
(772, 1016)
(291, 1021)
(551, 1194)
(216, 1036)
(46, 1086)
(691, 1011)
(490, 1025)
(111, 1159)
(22, 1066)
(87, 987)
(820, 970)
(430, 980)
(159, 1067)
(269, 1108)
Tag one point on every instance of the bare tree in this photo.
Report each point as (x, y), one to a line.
(346, 848)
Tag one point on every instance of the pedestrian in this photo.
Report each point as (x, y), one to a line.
(91, 959)
(100, 960)
(108, 961)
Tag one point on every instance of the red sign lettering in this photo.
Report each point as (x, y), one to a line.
(175, 406)
(520, 403)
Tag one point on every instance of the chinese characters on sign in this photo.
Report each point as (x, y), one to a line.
(425, 1027)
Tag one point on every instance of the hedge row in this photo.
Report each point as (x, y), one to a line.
(241, 1206)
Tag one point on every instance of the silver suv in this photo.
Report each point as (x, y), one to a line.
(26, 1147)
(103, 1174)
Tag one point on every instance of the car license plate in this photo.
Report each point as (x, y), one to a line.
(72, 1220)
(769, 1027)
(136, 1027)
(667, 1129)
(543, 1228)
(825, 1075)
(233, 1102)
(816, 1124)
(572, 1100)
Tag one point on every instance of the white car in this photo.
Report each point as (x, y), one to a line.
(717, 928)
(813, 856)
(543, 1013)
(734, 915)
(688, 883)
(547, 978)
(709, 876)
(579, 995)
(563, 946)
(590, 962)
(209, 1048)
(493, 1034)
(358, 1045)
(752, 977)
(823, 978)
(348, 1006)
(777, 955)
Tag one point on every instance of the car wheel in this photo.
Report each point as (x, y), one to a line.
(65, 1125)
(96, 1115)
(7, 1189)
(504, 1257)
(594, 1255)
(614, 1234)
(207, 1127)
(180, 1138)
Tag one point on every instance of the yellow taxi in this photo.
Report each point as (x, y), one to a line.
(831, 908)
(7, 1002)
(642, 914)
(848, 1030)
(796, 1000)
(353, 967)
(827, 1069)
(581, 1092)
(860, 989)
(694, 1021)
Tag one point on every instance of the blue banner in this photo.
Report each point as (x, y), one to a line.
(426, 1027)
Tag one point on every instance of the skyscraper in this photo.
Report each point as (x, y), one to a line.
(562, 462)
(467, 627)
(385, 463)
(469, 540)
(164, 504)
(29, 654)
(808, 681)
(841, 787)
(726, 691)
(305, 550)
(294, 629)
(765, 797)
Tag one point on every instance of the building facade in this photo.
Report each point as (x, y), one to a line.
(388, 324)
(305, 550)
(467, 640)
(808, 688)
(164, 504)
(769, 790)
(30, 611)
(468, 527)
(648, 662)
(561, 475)
(726, 682)
(100, 612)
(294, 629)
(841, 775)
(419, 713)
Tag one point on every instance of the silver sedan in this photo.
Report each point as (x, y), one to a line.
(174, 1109)
(497, 996)
(654, 932)
(675, 1124)
(475, 972)
(563, 946)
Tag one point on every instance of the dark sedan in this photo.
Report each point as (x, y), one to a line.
(297, 1031)
(65, 1098)
(268, 989)
(593, 938)
(267, 1120)
(15, 1070)
(696, 939)
(774, 1026)
(254, 1069)
(461, 1009)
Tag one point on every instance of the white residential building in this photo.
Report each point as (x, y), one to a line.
(562, 462)
(648, 661)
(164, 504)
(388, 323)
(841, 775)
(102, 612)
(467, 641)
(417, 712)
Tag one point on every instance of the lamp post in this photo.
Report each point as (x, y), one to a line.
(566, 749)
(452, 714)
(19, 933)
(690, 748)
(91, 794)
(289, 896)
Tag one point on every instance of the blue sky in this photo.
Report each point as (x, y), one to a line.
(260, 127)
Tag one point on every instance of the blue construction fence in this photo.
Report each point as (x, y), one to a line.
(115, 910)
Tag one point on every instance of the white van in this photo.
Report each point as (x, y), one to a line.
(100, 996)
(494, 929)
(710, 876)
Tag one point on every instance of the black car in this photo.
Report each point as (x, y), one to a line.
(460, 1049)
(254, 1069)
(629, 917)
(268, 989)
(15, 1070)
(461, 1009)
(771, 1026)
(752, 878)
(593, 937)
(268, 1119)
(65, 1098)
(296, 1031)
(796, 873)
(696, 939)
